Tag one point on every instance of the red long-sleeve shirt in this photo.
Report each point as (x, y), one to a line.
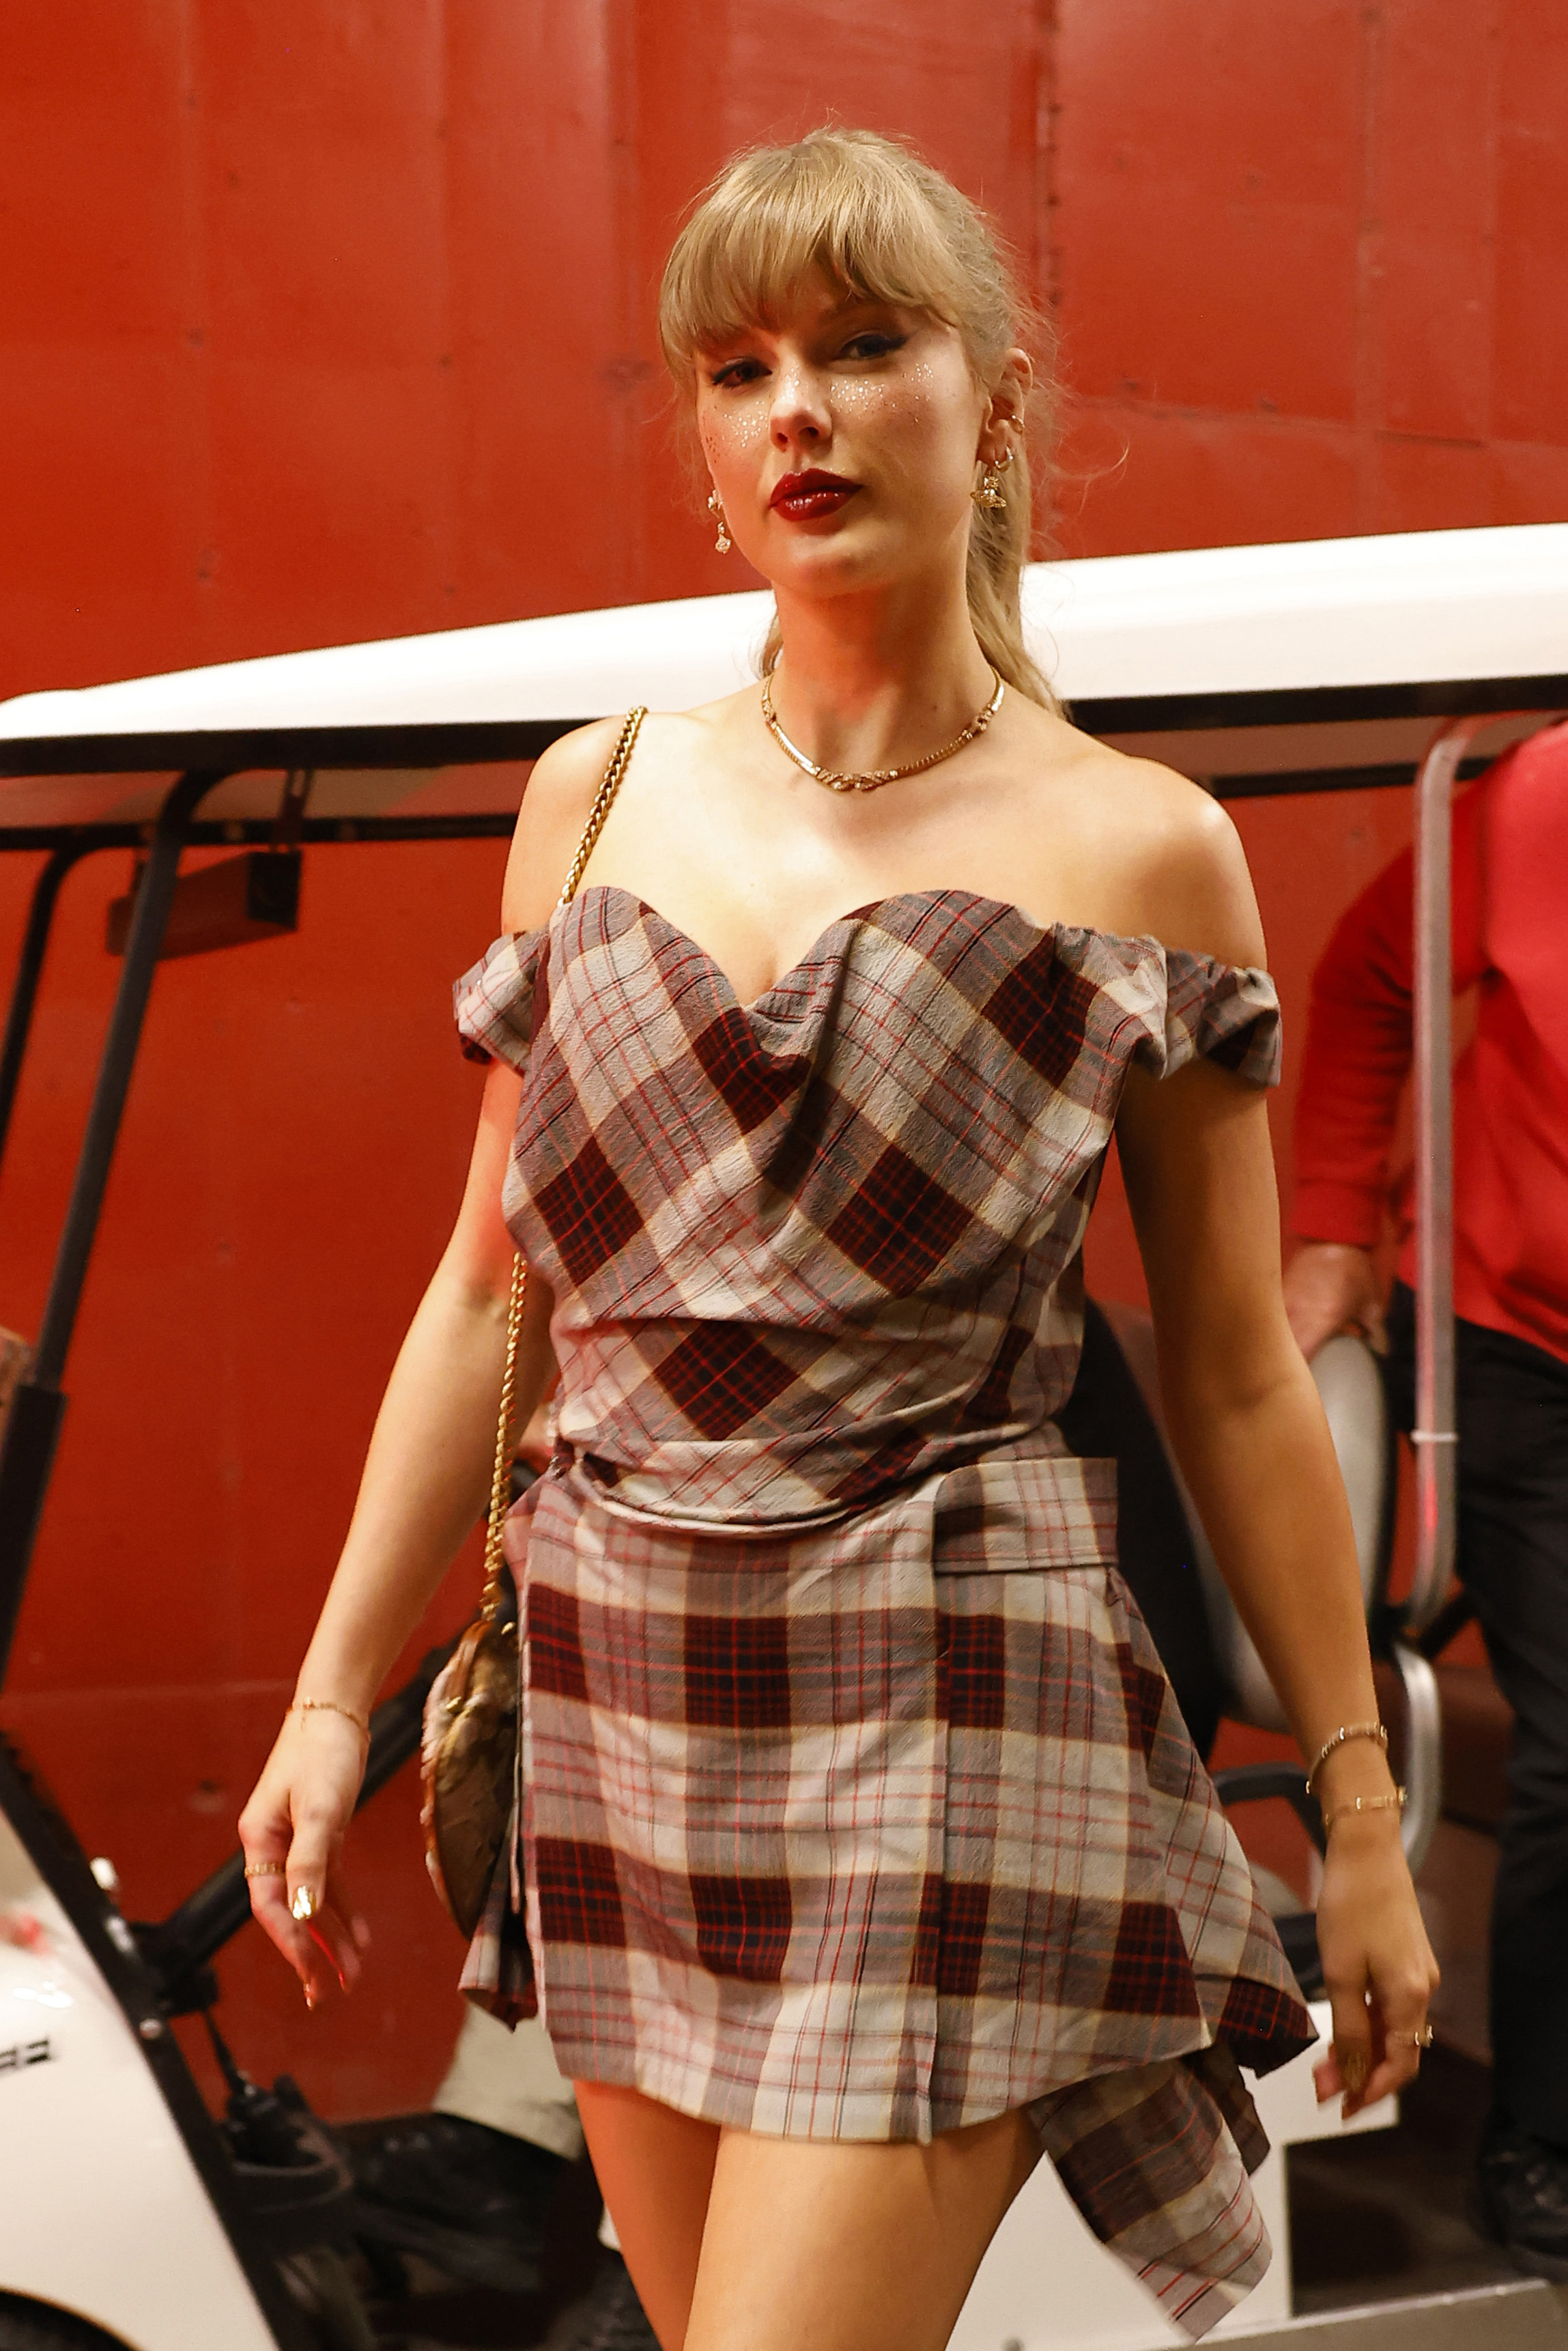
(1510, 1085)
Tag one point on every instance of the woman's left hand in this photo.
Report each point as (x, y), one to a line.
(1377, 1964)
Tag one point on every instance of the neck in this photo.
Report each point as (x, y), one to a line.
(874, 680)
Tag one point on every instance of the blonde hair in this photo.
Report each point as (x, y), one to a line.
(876, 220)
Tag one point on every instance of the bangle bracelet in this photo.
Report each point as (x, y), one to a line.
(1347, 1731)
(308, 1704)
(1393, 1804)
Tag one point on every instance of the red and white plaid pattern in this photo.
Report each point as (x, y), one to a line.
(856, 1803)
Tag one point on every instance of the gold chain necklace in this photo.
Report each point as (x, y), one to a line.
(834, 781)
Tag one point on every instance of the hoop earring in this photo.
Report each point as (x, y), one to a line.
(723, 543)
(989, 496)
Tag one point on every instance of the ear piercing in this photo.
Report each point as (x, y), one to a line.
(721, 545)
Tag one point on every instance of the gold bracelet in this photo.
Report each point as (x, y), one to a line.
(1347, 1731)
(1393, 1804)
(306, 1705)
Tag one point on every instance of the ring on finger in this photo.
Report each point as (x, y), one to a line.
(266, 1869)
(1417, 2041)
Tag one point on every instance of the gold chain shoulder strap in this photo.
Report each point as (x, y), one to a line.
(619, 760)
(501, 1481)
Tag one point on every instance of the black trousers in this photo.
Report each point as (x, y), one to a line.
(1512, 1422)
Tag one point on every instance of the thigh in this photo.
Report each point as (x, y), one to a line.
(654, 2168)
(815, 2245)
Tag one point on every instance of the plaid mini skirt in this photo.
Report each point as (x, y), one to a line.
(853, 1799)
(876, 1830)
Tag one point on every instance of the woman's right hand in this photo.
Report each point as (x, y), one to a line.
(296, 1817)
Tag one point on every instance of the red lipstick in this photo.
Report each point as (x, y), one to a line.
(806, 497)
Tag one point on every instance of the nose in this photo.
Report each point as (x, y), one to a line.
(800, 417)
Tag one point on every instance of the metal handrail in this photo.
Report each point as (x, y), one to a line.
(1435, 1435)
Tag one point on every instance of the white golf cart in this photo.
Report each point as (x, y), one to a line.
(129, 2217)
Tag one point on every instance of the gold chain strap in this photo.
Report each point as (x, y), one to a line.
(501, 1483)
(600, 808)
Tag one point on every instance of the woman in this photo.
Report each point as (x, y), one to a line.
(863, 1848)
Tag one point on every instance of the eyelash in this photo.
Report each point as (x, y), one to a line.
(726, 377)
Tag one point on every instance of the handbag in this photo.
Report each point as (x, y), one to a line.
(468, 1754)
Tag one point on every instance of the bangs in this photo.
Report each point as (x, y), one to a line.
(858, 211)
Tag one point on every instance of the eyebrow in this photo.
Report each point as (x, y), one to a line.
(851, 303)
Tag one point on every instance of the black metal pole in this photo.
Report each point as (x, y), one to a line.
(33, 1424)
(24, 990)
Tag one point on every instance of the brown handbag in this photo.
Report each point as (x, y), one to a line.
(469, 1752)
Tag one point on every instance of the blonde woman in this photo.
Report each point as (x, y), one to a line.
(864, 1854)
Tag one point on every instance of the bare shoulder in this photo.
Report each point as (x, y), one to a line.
(560, 793)
(564, 784)
(1173, 859)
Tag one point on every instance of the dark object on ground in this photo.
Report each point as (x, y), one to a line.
(1524, 2194)
(29, 2326)
(613, 2318)
(470, 2199)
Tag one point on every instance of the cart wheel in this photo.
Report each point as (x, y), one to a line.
(36, 2326)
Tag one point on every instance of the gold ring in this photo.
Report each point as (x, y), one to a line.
(267, 1869)
(1422, 2040)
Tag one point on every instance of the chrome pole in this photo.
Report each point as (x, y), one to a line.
(1434, 1436)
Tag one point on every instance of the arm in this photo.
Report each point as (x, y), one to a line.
(427, 1474)
(1253, 1446)
(1356, 1062)
(426, 1482)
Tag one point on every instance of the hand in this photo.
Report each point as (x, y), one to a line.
(1329, 1285)
(298, 1814)
(1377, 1964)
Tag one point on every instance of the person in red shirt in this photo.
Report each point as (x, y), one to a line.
(1511, 1290)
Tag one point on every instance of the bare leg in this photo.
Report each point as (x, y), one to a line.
(654, 2168)
(737, 2243)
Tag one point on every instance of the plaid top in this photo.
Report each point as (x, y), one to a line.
(806, 1250)
(855, 1800)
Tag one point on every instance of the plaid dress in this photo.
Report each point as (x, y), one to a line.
(855, 1802)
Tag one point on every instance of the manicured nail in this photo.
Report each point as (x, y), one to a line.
(309, 1995)
(304, 1903)
(360, 1932)
(1353, 2071)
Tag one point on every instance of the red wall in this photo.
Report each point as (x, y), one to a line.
(334, 323)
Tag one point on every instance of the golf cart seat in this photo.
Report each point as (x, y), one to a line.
(1178, 1575)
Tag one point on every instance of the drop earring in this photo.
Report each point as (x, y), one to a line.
(989, 496)
(722, 544)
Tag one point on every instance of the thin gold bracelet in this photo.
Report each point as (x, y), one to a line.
(330, 1705)
(1393, 1804)
(1346, 1731)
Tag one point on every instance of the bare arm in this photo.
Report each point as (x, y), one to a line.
(427, 1474)
(1256, 1452)
(426, 1481)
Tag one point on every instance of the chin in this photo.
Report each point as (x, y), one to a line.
(831, 566)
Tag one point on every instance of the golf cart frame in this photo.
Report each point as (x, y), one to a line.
(1258, 720)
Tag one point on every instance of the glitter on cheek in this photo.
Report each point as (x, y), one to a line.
(735, 440)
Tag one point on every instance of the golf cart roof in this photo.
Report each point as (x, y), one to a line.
(1296, 666)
